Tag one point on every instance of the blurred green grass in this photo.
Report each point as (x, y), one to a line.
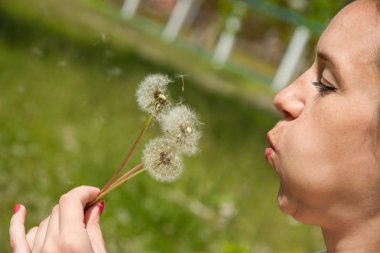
(68, 116)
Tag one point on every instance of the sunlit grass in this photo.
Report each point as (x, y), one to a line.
(68, 116)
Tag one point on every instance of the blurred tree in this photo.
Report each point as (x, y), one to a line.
(322, 10)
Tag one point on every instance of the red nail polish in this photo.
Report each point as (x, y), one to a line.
(17, 207)
(101, 207)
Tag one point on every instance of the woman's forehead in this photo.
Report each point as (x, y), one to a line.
(353, 34)
(359, 20)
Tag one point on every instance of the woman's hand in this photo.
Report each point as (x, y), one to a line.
(68, 228)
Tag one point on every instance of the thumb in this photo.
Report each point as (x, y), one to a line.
(92, 218)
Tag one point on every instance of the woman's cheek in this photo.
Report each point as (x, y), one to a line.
(305, 155)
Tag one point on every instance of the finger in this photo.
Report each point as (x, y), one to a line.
(92, 218)
(53, 226)
(39, 239)
(31, 236)
(17, 231)
(71, 207)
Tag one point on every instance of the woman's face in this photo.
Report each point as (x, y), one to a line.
(325, 149)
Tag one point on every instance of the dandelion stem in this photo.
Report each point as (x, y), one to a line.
(128, 175)
(128, 156)
(123, 180)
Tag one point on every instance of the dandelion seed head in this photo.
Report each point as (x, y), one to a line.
(152, 95)
(161, 161)
(181, 126)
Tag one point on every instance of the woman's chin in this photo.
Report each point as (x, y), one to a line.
(282, 200)
(284, 203)
(293, 209)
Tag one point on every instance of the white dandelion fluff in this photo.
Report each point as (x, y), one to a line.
(181, 127)
(161, 161)
(152, 95)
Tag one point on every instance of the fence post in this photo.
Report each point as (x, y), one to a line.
(291, 58)
(226, 41)
(129, 8)
(176, 20)
(227, 38)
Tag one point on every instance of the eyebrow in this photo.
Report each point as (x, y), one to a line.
(334, 66)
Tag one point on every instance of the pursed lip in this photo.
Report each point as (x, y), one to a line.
(270, 142)
(271, 152)
(271, 149)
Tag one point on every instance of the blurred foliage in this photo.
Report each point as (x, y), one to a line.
(233, 248)
(322, 10)
(236, 8)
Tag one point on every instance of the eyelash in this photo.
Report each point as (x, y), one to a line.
(323, 89)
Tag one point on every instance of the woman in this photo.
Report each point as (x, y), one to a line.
(325, 150)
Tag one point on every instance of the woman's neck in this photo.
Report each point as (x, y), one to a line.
(359, 237)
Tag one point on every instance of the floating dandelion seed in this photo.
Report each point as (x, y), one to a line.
(161, 161)
(183, 81)
(152, 95)
(181, 127)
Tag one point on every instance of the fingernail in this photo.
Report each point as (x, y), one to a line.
(101, 207)
(17, 207)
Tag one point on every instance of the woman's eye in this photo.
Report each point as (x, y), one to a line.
(323, 88)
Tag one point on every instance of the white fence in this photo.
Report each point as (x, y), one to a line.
(291, 55)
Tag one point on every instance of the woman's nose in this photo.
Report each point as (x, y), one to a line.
(289, 102)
